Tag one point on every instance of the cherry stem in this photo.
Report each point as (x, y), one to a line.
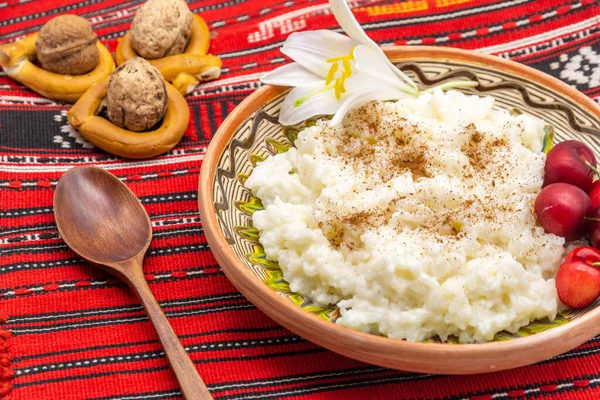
(596, 170)
(591, 219)
(596, 264)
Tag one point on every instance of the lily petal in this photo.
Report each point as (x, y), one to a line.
(323, 103)
(348, 22)
(311, 49)
(350, 25)
(372, 62)
(363, 91)
(290, 75)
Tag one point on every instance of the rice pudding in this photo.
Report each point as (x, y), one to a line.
(415, 217)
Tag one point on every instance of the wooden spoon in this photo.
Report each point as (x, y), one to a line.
(104, 222)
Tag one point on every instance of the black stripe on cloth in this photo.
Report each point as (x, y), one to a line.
(491, 34)
(182, 249)
(16, 385)
(219, 5)
(102, 12)
(532, 390)
(180, 302)
(572, 45)
(374, 26)
(46, 265)
(195, 108)
(139, 371)
(231, 20)
(77, 261)
(74, 158)
(395, 23)
(299, 378)
(97, 285)
(328, 386)
(288, 379)
(165, 394)
(41, 265)
(141, 343)
(127, 319)
(71, 7)
(150, 199)
(529, 57)
(4, 231)
(211, 116)
(160, 354)
(24, 241)
(31, 184)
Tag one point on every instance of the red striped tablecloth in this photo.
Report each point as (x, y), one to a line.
(73, 332)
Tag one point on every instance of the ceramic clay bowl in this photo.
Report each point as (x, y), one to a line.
(251, 132)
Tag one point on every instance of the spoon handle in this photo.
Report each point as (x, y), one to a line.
(192, 386)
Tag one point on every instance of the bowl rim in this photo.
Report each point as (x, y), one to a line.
(373, 349)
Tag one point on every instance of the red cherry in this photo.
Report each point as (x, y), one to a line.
(593, 228)
(566, 163)
(594, 194)
(561, 208)
(578, 284)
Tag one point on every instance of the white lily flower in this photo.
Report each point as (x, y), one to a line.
(333, 73)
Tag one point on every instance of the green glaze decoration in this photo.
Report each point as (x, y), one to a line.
(255, 159)
(248, 232)
(276, 282)
(242, 178)
(251, 206)
(327, 313)
(276, 147)
(259, 257)
(290, 133)
(541, 326)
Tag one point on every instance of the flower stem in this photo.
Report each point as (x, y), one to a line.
(298, 102)
(548, 139)
(451, 85)
(596, 170)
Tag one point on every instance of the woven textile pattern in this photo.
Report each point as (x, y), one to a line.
(71, 331)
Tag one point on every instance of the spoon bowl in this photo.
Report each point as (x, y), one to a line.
(91, 203)
(105, 223)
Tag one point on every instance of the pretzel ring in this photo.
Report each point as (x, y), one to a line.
(16, 58)
(185, 70)
(122, 142)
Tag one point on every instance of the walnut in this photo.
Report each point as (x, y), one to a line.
(137, 95)
(161, 28)
(67, 45)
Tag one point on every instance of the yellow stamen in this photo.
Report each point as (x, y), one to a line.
(338, 89)
(347, 66)
(331, 73)
(331, 81)
(340, 58)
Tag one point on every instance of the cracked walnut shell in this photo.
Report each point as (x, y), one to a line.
(161, 28)
(67, 45)
(137, 95)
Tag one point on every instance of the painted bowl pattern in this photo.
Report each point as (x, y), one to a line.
(261, 135)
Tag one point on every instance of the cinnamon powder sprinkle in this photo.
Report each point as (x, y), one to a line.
(387, 150)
